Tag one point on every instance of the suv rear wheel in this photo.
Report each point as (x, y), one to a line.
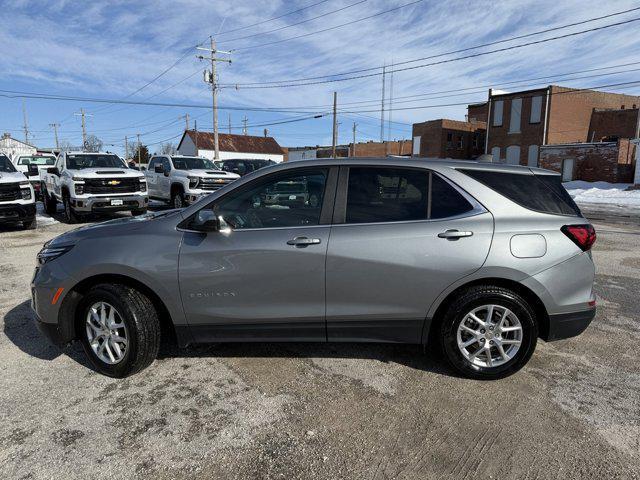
(119, 329)
(488, 332)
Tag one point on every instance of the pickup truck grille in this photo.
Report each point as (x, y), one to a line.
(212, 184)
(10, 191)
(111, 185)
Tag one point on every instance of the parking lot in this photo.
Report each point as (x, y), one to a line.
(323, 411)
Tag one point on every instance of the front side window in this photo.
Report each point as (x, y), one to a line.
(286, 200)
(386, 195)
(152, 163)
(80, 161)
(166, 165)
(6, 165)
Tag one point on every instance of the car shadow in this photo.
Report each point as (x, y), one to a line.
(20, 328)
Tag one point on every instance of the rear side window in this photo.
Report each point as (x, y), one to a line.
(542, 193)
(386, 195)
(401, 194)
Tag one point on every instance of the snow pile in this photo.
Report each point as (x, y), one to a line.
(43, 218)
(603, 193)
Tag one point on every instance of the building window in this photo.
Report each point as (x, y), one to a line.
(516, 114)
(495, 153)
(449, 140)
(536, 109)
(497, 113)
(416, 146)
(460, 141)
(532, 156)
(476, 140)
(513, 155)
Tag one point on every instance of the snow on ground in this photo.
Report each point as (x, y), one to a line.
(43, 218)
(603, 193)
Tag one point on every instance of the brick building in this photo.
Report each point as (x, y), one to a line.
(445, 138)
(381, 149)
(478, 112)
(520, 123)
(592, 162)
(609, 125)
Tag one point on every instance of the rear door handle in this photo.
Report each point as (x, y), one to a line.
(454, 234)
(301, 242)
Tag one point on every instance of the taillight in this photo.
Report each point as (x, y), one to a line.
(584, 236)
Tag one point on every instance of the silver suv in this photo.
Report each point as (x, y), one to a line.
(475, 260)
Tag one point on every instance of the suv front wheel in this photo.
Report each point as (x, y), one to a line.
(119, 329)
(488, 332)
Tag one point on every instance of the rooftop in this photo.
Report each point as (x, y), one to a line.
(228, 142)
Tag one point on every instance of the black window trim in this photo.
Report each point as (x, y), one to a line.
(340, 206)
(326, 211)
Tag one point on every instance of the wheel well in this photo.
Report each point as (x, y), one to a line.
(542, 317)
(73, 299)
(177, 187)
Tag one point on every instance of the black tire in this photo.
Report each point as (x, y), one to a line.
(70, 215)
(30, 224)
(140, 211)
(476, 297)
(177, 198)
(142, 323)
(50, 203)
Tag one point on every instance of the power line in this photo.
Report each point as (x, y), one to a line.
(307, 81)
(297, 23)
(260, 45)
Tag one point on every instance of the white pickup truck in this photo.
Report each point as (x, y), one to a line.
(17, 200)
(182, 180)
(93, 182)
(32, 165)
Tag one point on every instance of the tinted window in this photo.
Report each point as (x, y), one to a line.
(39, 160)
(166, 165)
(536, 192)
(446, 201)
(6, 165)
(192, 163)
(291, 200)
(386, 195)
(152, 163)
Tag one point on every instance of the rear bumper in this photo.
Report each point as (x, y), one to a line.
(16, 212)
(567, 325)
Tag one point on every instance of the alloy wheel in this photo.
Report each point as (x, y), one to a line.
(489, 336)
(107, 333)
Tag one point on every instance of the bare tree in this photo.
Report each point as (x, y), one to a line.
(93, 144)
(66, 146)
(168, 149)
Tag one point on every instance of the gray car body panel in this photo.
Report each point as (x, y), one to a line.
(384, 282)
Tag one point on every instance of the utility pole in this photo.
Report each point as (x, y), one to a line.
(25, 126)
(126, 148)
(211, 77)
(244, 125)
(139, 153)
(186, 119)
(384, 73)
(266, 133)
(84, 127)
(353, 149)
(55, 132)
(390, 109)
(196, 129)
(229, 123)
(335, 125)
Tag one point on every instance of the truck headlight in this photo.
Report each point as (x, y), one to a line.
(193, 182)
(25, 191)
(79, 188)
(51, 253)
(143, 185)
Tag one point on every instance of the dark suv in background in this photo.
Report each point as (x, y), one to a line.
(243, 166)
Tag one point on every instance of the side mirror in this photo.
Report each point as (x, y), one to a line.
(33, 170)
(205, 221)
(158, 169)
(236, 170)
(53, 171)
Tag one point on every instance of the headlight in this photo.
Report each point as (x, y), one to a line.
(50, 253)
(79, 187)
(143, 185)
(25, 191)
(193, 182)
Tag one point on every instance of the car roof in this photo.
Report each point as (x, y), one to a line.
(423, 162)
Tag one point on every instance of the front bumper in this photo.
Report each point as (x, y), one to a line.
(113, 203)
(17, 212)
(567, 325)
(51, 331)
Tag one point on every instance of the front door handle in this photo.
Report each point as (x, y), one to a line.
(301, 242)
(454, 234)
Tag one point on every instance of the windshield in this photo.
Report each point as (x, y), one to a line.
(6, 165)
(80, 161)
(193, 163)
(37, 160)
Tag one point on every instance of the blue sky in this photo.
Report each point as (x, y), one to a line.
(110, 49)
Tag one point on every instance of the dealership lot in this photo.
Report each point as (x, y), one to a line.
(323, 411)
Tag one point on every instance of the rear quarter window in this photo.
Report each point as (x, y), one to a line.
(541, 193)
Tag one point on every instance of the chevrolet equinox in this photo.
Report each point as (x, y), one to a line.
(476, 260)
